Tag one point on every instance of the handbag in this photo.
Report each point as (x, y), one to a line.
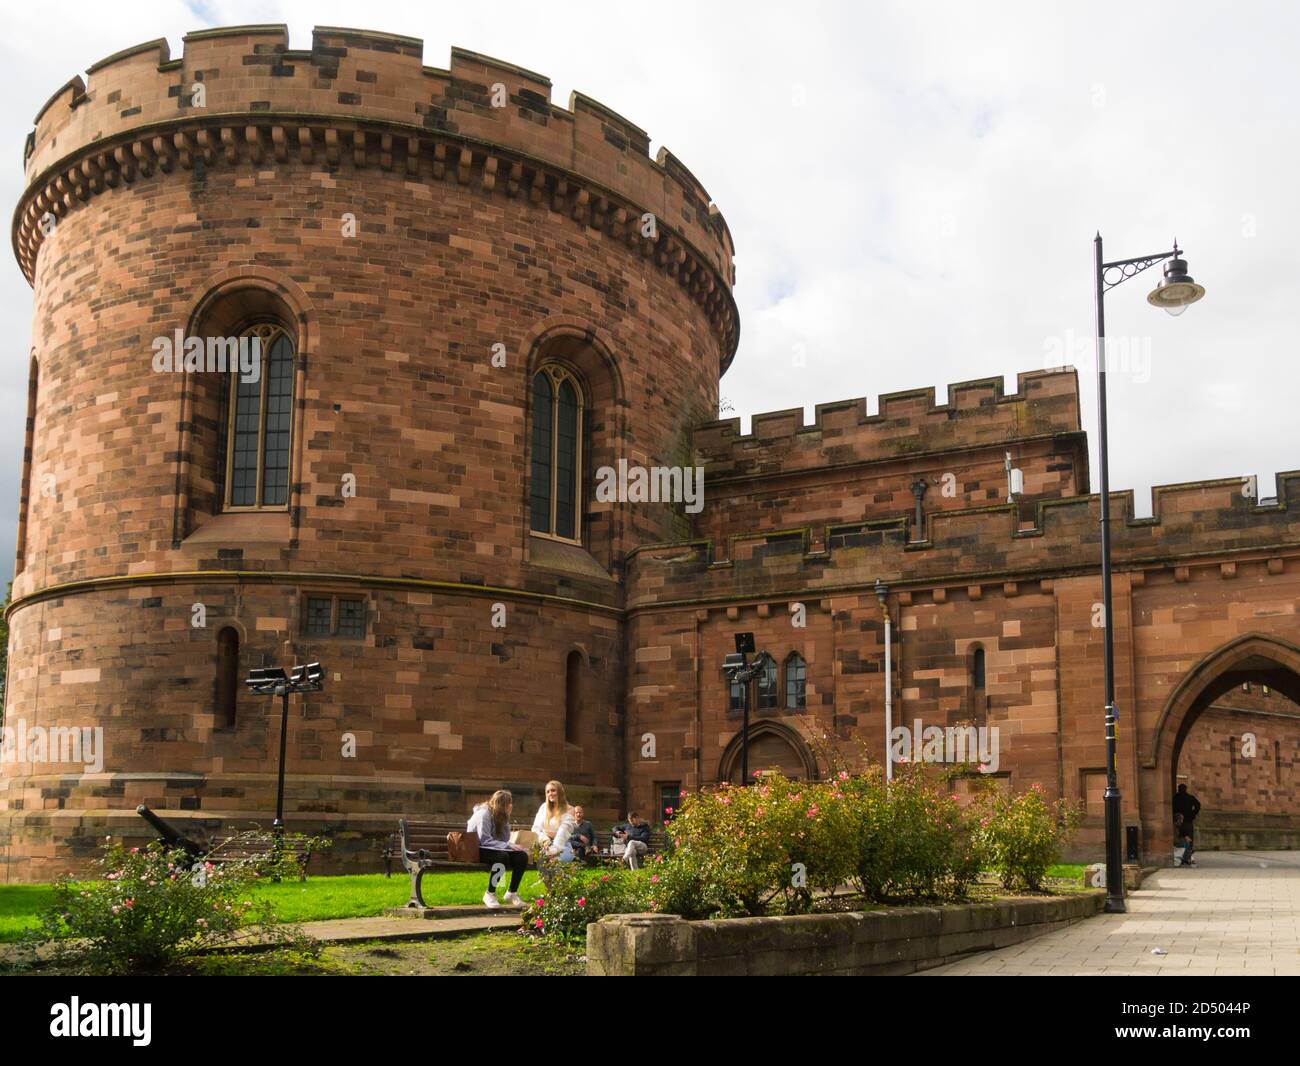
(463, 847)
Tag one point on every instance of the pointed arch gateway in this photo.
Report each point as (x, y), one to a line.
(771, 744)
(1255, 657)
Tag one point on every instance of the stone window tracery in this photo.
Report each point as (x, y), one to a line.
(258, 430)
(556, 461)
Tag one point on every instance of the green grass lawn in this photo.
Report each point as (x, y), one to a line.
(317, 898)
(347, 896)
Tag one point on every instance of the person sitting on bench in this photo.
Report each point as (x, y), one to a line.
(491, 821)
(554, 825)
(635, 833)
(583, 841)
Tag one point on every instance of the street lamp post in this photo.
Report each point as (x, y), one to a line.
(272, 681)
(741, 672)
(1175, 293)
(882, 595)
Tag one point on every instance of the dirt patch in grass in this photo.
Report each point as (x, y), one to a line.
(480, 955)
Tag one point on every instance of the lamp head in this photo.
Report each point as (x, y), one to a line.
(1177, 290)
(264, 679)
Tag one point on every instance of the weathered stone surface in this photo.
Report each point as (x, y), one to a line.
(872, 942)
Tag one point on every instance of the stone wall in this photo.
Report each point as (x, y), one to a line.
(885, 942)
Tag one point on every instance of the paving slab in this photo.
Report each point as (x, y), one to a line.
(1232, 913)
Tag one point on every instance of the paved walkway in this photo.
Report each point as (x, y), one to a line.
(443, 923)
(1232, 913)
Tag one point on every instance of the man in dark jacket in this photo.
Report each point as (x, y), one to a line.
(584, 836)
(635, 832)
(1186, 808)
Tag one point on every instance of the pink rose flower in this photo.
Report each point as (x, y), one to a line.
(654, 878)
(537, 924)
(128, 903)
(844, 775)
(605, 877)
(582, 901)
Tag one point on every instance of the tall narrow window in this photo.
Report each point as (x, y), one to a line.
(977, 671)
(227, 686)
(556, 467)
(261, 415)
(573, 698)
(767, 685)
(796, 676)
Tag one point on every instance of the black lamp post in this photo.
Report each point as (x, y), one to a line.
(1175, 293)
(741, 672)
(272, 681)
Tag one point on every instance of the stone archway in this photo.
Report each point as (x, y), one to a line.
(1253, 658)
(771, 744)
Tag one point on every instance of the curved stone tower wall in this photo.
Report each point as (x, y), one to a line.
(404, 229)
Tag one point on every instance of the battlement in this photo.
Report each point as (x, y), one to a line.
(978, 413)
(241, 93)
(1193, 524)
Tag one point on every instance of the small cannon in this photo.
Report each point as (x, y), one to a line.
(170, 836)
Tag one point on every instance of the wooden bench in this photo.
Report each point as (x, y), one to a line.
(422, 846)
(243, 848)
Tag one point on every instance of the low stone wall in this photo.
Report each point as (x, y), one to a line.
(899, 940)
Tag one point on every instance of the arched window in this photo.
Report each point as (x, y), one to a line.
(260, 416)
(573, 698)
(796, 677)
(767, 685)
(557, 454)
(977, 671)
(226, 694)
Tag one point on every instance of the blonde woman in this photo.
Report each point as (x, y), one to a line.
(554, 824)
(491, 821)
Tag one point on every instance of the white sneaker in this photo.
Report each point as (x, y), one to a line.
(490, 900)
(513, 899)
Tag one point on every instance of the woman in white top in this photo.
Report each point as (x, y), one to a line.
(554, 824)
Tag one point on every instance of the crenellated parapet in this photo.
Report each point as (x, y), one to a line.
(1206, 523)
(240, 96)
(978, 413)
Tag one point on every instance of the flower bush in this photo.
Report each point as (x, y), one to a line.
(777, 844)
(1020, 836)
(913, 840)
(151, 906)
(578, 895)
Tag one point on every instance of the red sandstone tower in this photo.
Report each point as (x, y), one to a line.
(466, 299)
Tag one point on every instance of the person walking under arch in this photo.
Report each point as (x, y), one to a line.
(1186, 808)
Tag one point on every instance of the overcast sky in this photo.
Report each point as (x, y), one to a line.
(913, 188)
